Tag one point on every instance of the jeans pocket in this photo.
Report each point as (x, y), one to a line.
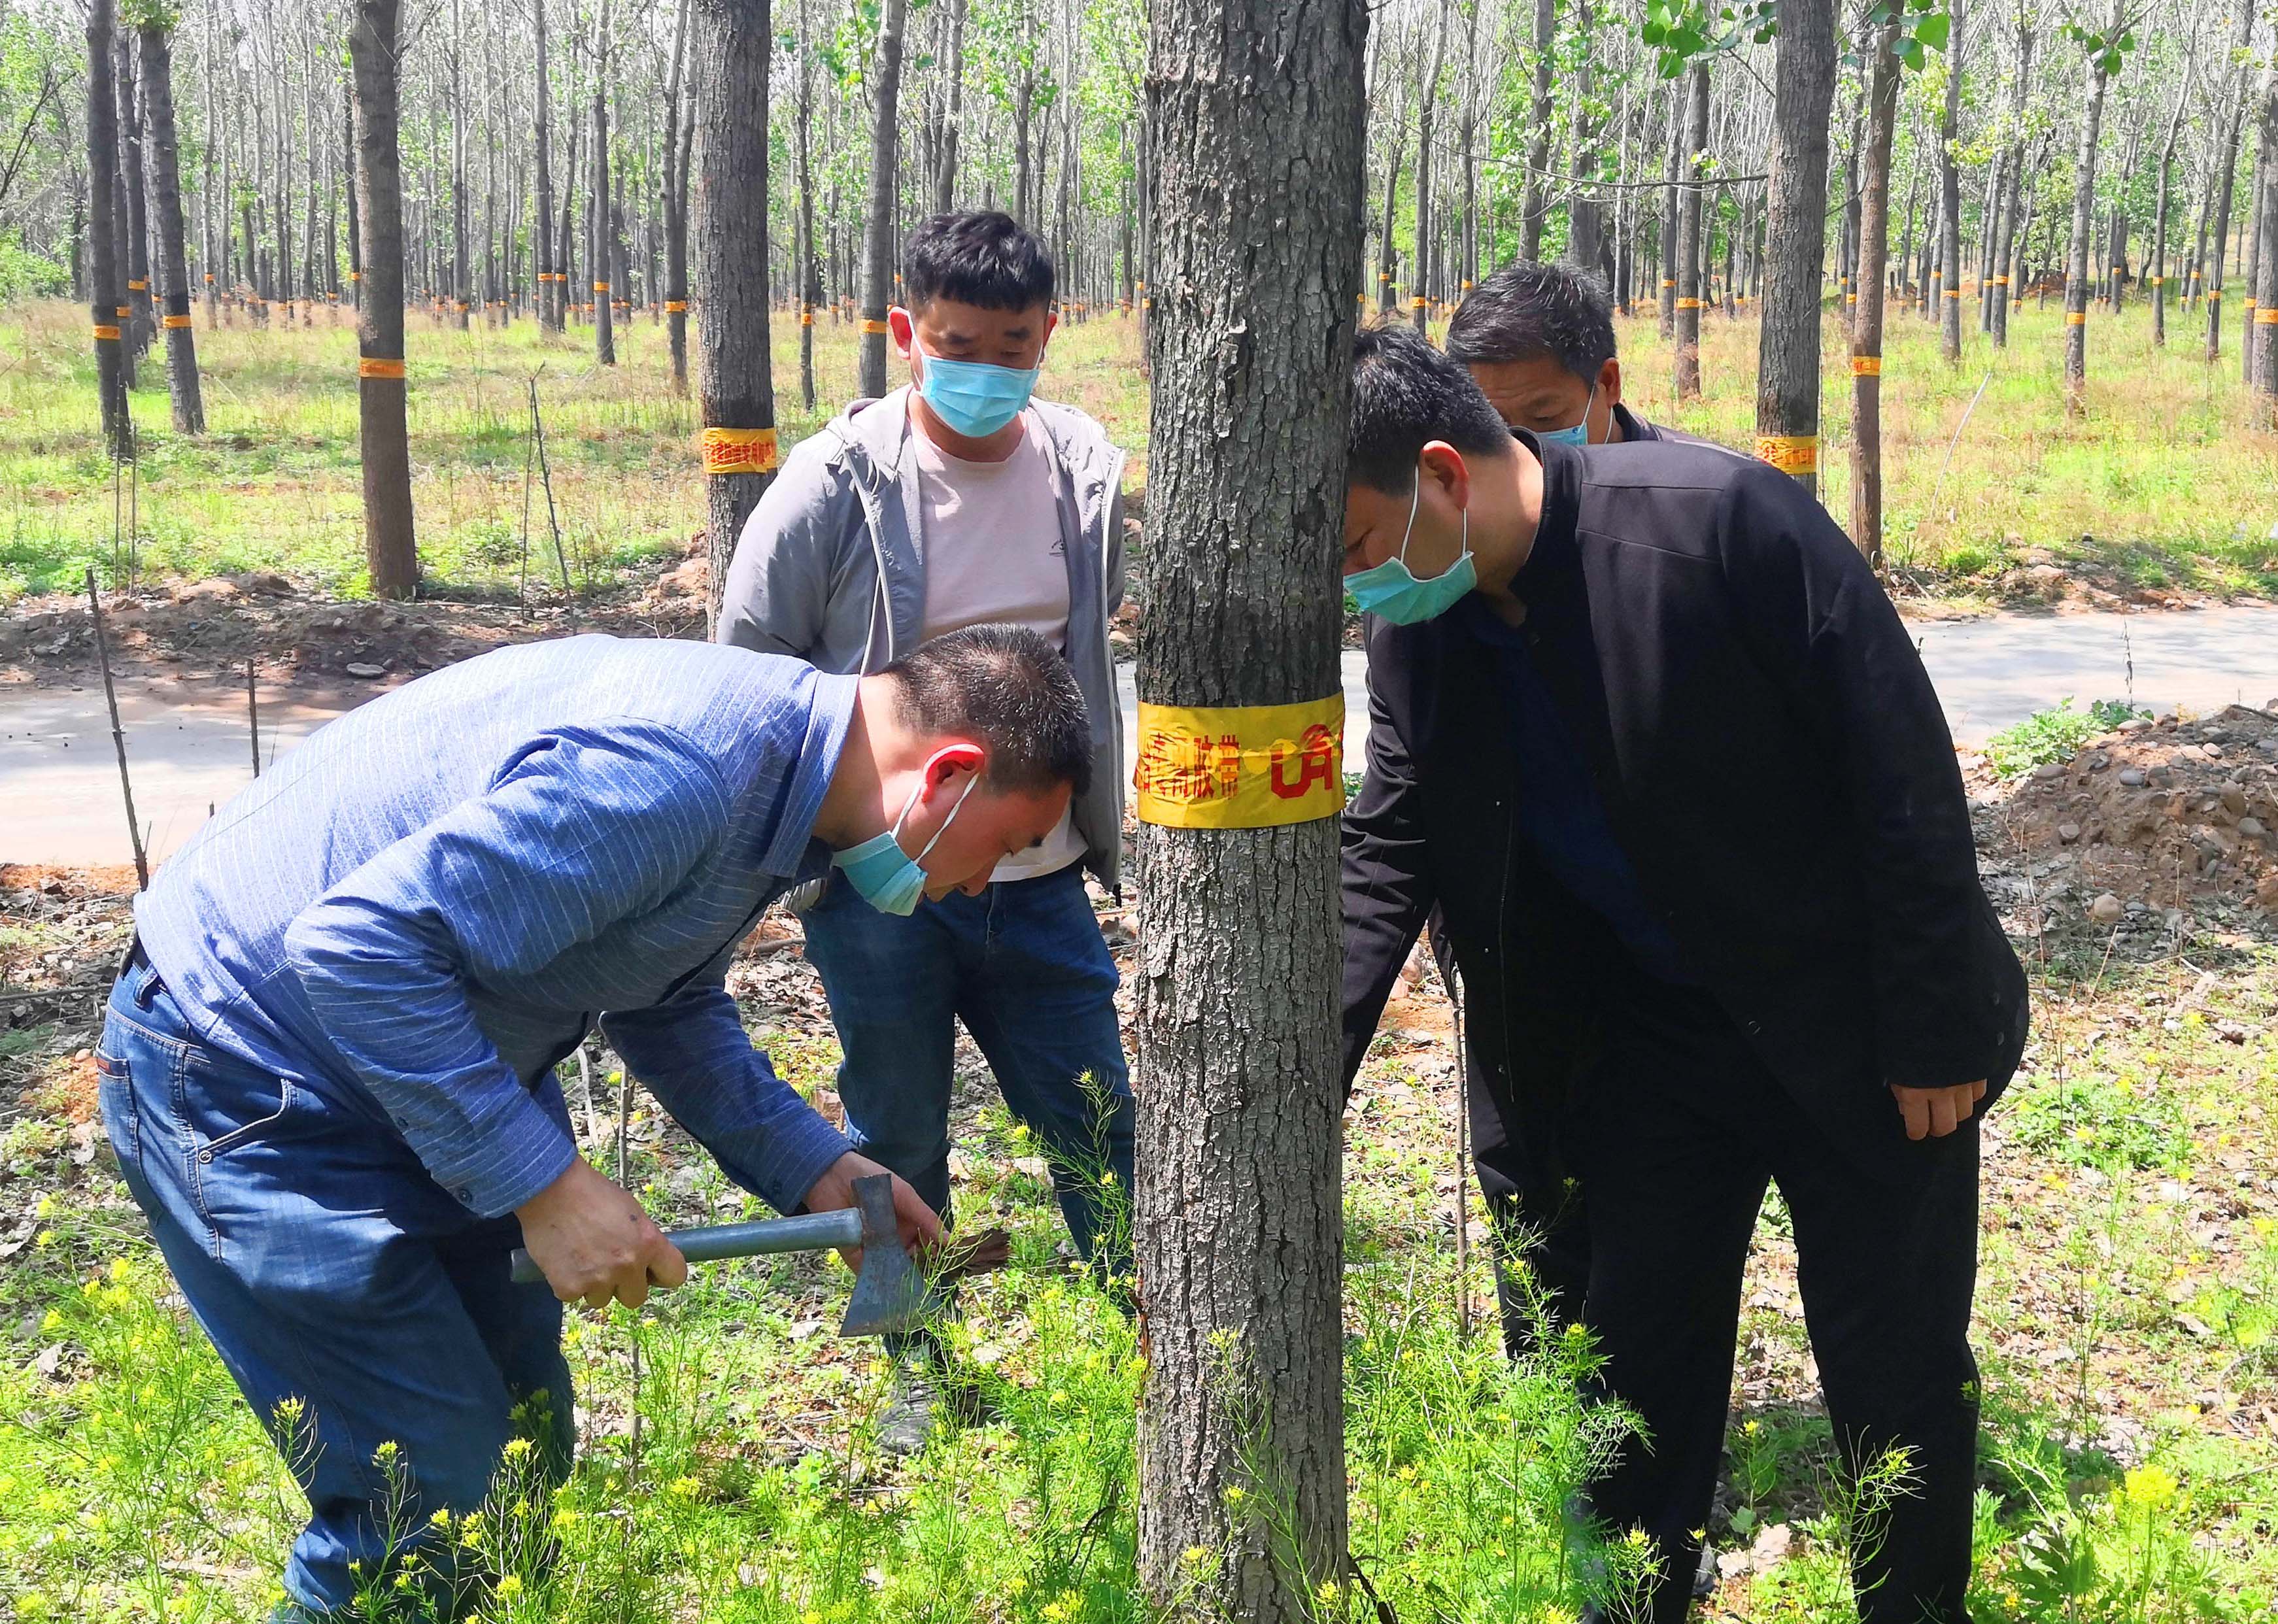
(122, 1117)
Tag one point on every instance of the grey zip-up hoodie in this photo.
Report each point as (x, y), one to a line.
(830, 569)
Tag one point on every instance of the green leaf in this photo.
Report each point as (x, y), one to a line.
(1935, 30)
(1652, 33)
(1910, 52)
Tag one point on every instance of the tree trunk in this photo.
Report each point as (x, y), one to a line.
(2084, 207)
(132, 216)
(551, 293)
(391, 554)
(1538, 151)
(945, 179)
(165, 162)
(597, 216)
(1420, 295)
(1787, 349)
(1688, 233)
(2227, 158)
(805, 272)
(1867, 330)
(1949, 158)
(735, 391)
(1672, 207)
(106, 297)
(675, 204)
(1387, 261)
(2266, 291)
(1258, 125)
(1584, 245)
(878, 223)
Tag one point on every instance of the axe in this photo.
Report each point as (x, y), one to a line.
(889, 1293)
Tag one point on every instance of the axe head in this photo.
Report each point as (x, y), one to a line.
(889, 1293)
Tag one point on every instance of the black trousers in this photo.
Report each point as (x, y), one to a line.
(1673, 1131)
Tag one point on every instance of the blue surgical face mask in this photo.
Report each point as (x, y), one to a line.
(888, 878)
(1390, 593)
(973, 397)
(1578, 436)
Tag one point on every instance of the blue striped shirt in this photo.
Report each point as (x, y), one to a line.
(421, 910)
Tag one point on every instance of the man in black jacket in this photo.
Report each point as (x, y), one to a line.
(1646, 732)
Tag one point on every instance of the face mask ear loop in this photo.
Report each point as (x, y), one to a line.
(945, 822)
(1587, 403)
(1408, 534)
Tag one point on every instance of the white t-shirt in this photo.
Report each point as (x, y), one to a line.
(989, 538)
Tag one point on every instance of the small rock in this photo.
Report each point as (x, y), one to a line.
(2193, 753)
(2047, 771)
(2133, 777)
(366, 671)
(2136, 724)
(2233, 798)
(2213, 752)
(2268, 746)
(2230, 1031)
(2265, 895)
(2068, 833)
(2106, 910)
(2251, 827)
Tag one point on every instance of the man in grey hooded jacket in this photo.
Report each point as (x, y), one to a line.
(959, 500)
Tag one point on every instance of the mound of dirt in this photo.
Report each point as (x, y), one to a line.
(2161, 815)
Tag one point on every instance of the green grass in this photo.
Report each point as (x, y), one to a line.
(2161, 487)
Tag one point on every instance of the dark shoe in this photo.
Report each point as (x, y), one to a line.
(913, 1411)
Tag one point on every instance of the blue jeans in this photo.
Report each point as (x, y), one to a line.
(332, 1274)
(1024, 967)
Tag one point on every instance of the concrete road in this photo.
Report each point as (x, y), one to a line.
(187, 745)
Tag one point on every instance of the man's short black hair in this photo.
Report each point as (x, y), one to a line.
(1008, 689)
(982, 257)
(1525, 311)
(1406, 394)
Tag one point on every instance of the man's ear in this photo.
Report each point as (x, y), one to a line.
(1051, 324)
(1443, 465)
(902, 328)
(950, 764)
(1610, 381)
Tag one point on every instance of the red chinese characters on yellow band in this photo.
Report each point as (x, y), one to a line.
(739, 450)
(1240, 766)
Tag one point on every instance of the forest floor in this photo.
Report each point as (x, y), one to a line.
(2158, 495)
(2128, 1324)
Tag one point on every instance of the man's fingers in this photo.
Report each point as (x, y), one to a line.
(1913, 1108)
(920, 1224)
(1977, 1090)
(1941, 1113)
(666, 1267)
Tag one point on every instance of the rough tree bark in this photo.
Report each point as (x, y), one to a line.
(2159, 207)
(675, 204)
(945, 177)
(133, 226)
(1867, 328)
(551, 294)
(1949, 181)
(1688, 232)
(2226, 171)
(165, 162)
(1538, 150)
(810, 286)
(391, 551)
(1787, 348)
(605, 342)
(1420, 293)
(735, 393)
(2266, 293)
(1257, 122)
(105, 295)
(1584, 244)
(2077, 270)
(878, 223)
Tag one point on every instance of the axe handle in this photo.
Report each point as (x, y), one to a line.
(809, 1232)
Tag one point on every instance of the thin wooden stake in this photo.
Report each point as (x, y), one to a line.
(545, 476)
(253, 716)
(118, 734)
(1463, 1164)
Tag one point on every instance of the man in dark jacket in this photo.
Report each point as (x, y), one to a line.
(1538, 341)
(1646, 732)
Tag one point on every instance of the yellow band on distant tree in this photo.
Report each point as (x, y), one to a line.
(174, 321)
(2076, 318)
(869, 326)
(1790, 454)
(138, 287)
(1866, 366)
(124, 312)
(1247, 767)
(380, 366)
(1953, 293)
(600, 287)
(1689, 304)
(739, 450)
(2267, 318)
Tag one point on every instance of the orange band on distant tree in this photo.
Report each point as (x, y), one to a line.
(378, 366)
(103, 333)
(2267, 318)
(174, 321)
(124, 312)
(138, 287)
(1866, 366)
(2076, 318)
(600, 287)
(1689, 304)
(870, 326)
(675, 306)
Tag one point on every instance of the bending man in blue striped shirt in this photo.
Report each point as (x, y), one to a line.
(328, 1065)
